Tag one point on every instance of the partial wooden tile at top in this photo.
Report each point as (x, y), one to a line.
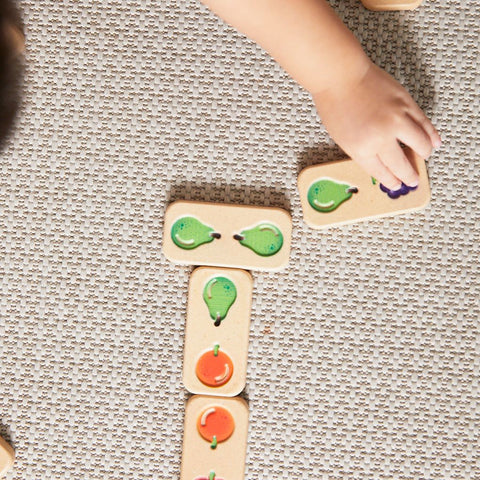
(7, 457)
(225, 235)
(217, 331)
(214, 438)
(380, 5)
(341, 192)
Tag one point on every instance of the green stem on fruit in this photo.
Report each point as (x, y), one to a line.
(213, 446)
(211, 476)
(374, 181)
(215, 349)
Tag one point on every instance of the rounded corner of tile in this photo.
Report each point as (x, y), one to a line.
(241, 401)
(426, 200)
(186, 385)
(246, 274)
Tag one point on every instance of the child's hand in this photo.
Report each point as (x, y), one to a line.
(369, 117)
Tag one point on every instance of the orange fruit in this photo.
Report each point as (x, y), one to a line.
(215, 424)
(214, 370)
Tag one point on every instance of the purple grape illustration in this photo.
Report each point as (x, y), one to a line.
(403, 190)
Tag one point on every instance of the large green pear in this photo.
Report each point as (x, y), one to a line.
(265, 239)
(219, 294)
(325, 195)
(189, 233)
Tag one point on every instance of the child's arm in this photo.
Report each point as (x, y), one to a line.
(363, 108)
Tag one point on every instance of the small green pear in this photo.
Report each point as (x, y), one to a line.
(219, 294)
(265, 239)
(325, 195)
(189, 233)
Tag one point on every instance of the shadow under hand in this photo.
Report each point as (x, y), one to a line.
(321, 154)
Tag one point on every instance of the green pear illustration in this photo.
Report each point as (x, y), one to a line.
(264, 239)
(219, 294)
(189, 233)
(325, 195)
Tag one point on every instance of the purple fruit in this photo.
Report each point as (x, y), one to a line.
(403, 190)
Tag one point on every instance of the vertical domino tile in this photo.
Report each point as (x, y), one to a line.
(217, 331)
(7, 456)
(341, 192)
(215, 438)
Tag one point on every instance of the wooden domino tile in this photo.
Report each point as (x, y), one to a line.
(7, 456)
(238, 236)
(215, 438)
(341, 192)
(217, 331)
(391, 4)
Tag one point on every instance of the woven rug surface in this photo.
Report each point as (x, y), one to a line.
(364, 353)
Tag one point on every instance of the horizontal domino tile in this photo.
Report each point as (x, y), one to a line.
(227, 460)
(227, 220)
(380, 5)
(369, 202)
(231, 335)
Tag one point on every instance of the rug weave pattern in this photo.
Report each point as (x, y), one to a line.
(364, 353)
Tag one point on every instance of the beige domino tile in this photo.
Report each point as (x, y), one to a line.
(268, 226)
(391, 4)
(370, 202)
(223, 376)
(7, 456)
(227, 460)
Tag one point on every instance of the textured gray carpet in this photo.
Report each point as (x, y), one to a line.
(364, 355)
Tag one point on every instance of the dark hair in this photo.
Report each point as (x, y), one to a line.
(10, 66)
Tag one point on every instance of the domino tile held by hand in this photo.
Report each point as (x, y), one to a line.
(341, 192)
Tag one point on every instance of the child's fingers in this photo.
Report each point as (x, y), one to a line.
(396, 161)
(379, 171)
(418, 116)
(413, 135)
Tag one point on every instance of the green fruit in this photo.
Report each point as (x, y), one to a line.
(325, 195)
(219, 294)
(189, 233)
(264, 239)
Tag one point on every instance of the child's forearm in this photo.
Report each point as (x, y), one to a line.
(363, 108)
(304, 36)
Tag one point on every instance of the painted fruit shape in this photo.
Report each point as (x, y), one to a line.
(211, 476)
(215, 424)
(189, 233)
(264, 239)
(325, 195)
(394, 194)
(219, 294)
(214, 368)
